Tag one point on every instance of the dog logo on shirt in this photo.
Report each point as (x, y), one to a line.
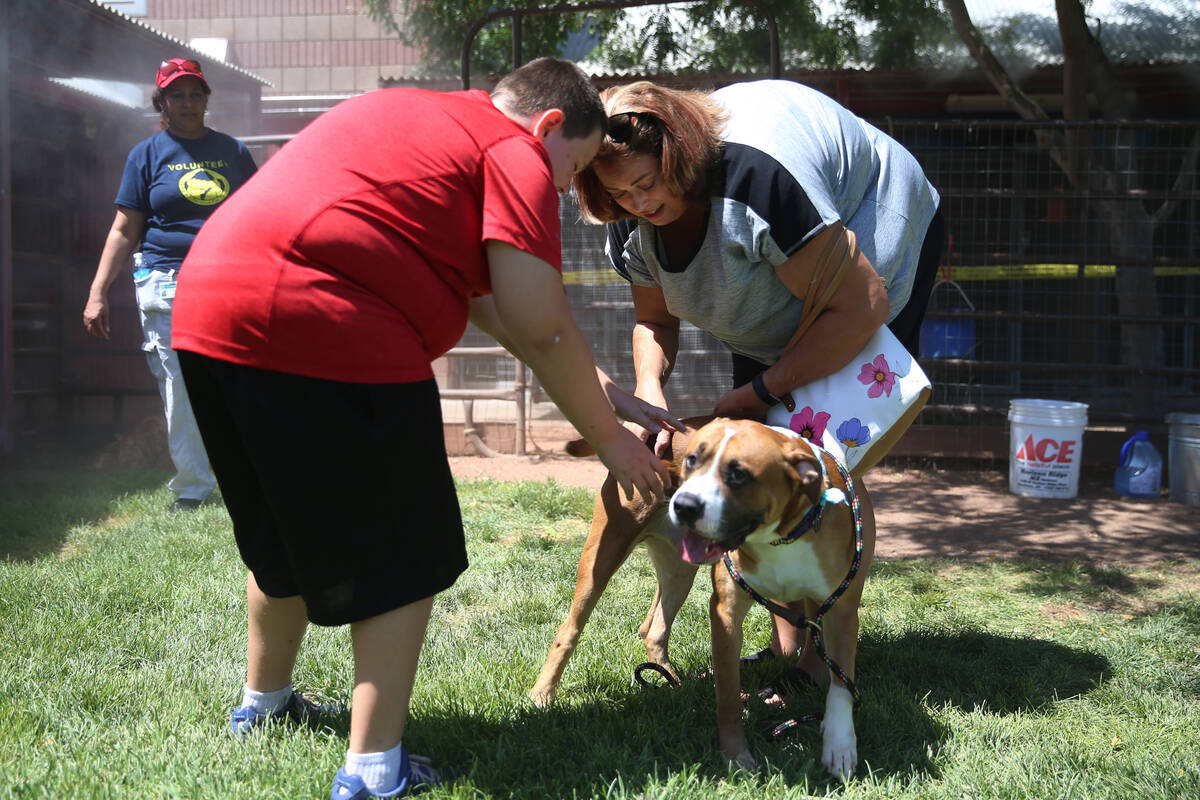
(204, 187)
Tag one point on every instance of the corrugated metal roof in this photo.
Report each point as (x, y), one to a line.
(125, 95)
(204, 57)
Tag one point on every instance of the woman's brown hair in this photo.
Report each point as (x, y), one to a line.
(679, 128)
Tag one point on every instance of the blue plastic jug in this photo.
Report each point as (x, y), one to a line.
(1140, 471)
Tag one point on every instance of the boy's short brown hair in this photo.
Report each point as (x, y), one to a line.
(681, 129)
(546, 83)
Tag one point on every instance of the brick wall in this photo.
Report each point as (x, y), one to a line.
(300, 46)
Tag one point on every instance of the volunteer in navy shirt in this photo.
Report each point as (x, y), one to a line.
(172, 182)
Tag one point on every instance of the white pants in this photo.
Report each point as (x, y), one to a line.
(155, 297)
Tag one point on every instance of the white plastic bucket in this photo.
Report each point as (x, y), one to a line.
(1183, 457)
(1045, 447)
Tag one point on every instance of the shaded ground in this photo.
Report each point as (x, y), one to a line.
(967, 514)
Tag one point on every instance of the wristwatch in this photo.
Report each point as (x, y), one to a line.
(760, 389)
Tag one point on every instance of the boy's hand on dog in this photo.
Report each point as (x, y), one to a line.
(634, 467)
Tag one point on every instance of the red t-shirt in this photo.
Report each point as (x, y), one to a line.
(353, 251)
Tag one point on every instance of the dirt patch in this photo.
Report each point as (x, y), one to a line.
(958, 514)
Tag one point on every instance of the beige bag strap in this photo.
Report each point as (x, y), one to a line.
(826, 278)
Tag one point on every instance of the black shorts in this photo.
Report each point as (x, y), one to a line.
(907, 324)
(339, 492)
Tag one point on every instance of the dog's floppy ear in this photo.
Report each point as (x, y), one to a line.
(801, 459)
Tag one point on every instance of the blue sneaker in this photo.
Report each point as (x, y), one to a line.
(246, 720)
(418, 773)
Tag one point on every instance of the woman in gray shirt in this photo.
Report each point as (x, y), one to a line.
(711, 198)
(717, 203)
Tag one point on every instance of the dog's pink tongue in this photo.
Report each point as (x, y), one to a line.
(695, 549)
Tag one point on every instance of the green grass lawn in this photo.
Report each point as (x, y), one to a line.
(122, 650)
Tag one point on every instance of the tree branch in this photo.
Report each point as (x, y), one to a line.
(993, 70)
(1003, 83)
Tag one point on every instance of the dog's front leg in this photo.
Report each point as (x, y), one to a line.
(727, 610)
(839, 750)
(612, 537)
(675, 578)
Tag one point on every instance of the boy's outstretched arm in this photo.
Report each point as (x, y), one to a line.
(529, 314)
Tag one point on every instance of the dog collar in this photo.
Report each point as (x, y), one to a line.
(812, 519)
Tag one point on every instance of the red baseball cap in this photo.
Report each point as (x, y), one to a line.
(174, 68)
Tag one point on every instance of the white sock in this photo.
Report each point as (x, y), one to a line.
(379, 771)
(266, 702)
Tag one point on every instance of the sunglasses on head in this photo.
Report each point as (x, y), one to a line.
(168, 68)
(628, 125)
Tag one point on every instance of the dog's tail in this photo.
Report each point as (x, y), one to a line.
(579, 448)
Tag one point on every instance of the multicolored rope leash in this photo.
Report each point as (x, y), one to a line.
(832, 495)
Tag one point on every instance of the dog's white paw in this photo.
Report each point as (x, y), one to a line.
(840, 758)
(839, 751)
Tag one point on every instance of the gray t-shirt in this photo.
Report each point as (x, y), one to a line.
(794, 162)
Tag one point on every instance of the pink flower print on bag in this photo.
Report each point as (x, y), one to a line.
(873, 399)
(878, 376)
(810, 424)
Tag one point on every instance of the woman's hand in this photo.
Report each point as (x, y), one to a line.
(741, 403)
(95, 316)
(123, 237)
(660, 433)
(631, 408)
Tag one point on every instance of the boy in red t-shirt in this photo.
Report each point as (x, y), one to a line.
(311, 307)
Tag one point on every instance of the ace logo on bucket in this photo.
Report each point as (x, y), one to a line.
(1047, 451)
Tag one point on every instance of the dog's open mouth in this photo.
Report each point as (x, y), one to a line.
(697, 549)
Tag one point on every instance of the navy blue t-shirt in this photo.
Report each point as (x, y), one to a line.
(177, 183)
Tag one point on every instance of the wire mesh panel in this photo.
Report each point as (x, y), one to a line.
(1073, 268)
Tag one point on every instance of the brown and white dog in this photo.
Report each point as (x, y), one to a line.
(745, 487)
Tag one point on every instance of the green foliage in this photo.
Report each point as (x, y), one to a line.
(713, 35)
(123, 636)
(731, 35)
(439, 28)
(907, 34)
(1139, 34)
